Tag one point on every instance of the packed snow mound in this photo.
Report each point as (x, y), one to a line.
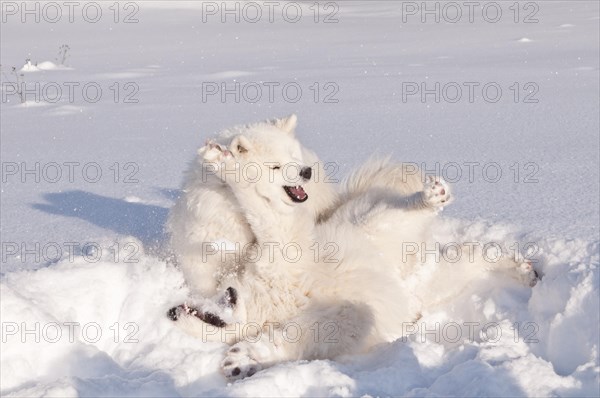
(83, 328)
(43, 66)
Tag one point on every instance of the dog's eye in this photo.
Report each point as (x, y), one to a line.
(275, 167)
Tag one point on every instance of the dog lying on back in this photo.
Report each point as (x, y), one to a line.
(206, 224)
(341, 303)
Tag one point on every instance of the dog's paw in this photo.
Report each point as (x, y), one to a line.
(239, 362)
(214, 153)
(527, 275)
(229, 299)
(178, 312)
(436, 193)
(183, 310)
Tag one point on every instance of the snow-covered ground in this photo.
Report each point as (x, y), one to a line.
(84, 288)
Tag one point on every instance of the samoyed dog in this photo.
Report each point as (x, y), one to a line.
(207, 228)
(322, 279)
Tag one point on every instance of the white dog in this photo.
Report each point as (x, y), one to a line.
(339, 301)
(207, 228)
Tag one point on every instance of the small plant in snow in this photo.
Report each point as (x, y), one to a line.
(62, 55)
(19, 79)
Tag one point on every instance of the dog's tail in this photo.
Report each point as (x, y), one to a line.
(381, 172)
(404, 179)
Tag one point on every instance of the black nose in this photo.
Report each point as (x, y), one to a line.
(305, 173)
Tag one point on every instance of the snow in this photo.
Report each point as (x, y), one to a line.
(98, 266)
(46, 65)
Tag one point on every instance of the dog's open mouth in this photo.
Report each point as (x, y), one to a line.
(297, 193)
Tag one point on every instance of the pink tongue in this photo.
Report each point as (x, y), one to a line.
(298, 192)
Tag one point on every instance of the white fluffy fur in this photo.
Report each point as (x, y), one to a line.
(207, 218)
(344, 306)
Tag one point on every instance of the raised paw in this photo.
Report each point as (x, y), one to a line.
(436, 192)
(527, 274)
(213, 152)
(239, 362)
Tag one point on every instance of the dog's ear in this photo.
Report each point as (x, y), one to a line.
(240, 145)
(287, 124)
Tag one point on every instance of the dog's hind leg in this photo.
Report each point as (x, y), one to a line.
(516, 267)
(323, 331)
